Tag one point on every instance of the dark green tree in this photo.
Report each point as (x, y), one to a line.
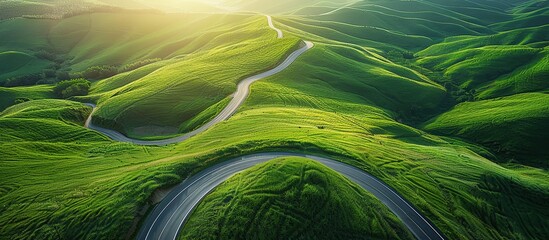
(71, 88)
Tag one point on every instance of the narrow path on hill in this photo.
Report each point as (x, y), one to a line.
(271, 25)
(239, 97)
(168, 217)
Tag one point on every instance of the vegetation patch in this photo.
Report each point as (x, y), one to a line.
(71, 88)
(292, 198)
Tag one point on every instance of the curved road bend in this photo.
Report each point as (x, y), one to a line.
(168, 217)
(240, 95)
(271, 25)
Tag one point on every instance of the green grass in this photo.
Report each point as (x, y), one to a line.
(523, 36)
(525, 118)
(342, 98)
(404, 24)
(12, 61)
(45, 120)
(174, 94)
(494, 71)
(96, 39)
(524, 21)
(292, 198)
(436, 175)
(56, 174)
(346, 74)
(9, 95)
(361, 35)
(13, 64)
(471, 15)
(282, 6)
(109, 39)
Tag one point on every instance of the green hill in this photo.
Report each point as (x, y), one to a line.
(494, 71)
(292, 198)
(56, 174)
(360, 35)
(403, 24)
(174, 94)
(355, 76)
(524, 118)
(378, 91)
(8, 96)
(13, 64)
(45, 121)
(98, 39)
(523, 36)
(12, 61)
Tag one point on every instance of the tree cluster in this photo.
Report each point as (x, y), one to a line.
(71, 88)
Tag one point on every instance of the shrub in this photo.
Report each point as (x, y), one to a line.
(62, 75)
(26, 80)
(138, 64)
(71, 88)
(21, 100)
(47, 55)
(49, 73)
(99, 72)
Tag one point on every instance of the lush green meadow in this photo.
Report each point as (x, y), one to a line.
(9, 96)
(525, 118)
(292, 198)
(445, 101)
(178, 92)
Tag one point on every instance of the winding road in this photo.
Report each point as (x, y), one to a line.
(168, 217)
(239, 96)
(271, 25)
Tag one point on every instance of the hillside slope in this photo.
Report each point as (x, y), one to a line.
(443, 100)
(291, 198)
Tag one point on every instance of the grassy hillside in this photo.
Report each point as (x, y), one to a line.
(494, 71)
(353, 76)
(57, 175)
(525, 118)
(464, 194)
(97, 39)
(187, 87)
(437, 175)
(46, 120)
(13, 64)
(12, 61)
(109, 39)
(18, 8)
(282, 6)
(8, 96)
(525, 36)
(347, 98)
(360, 35)
(292, 198)
(525, 18)
(492, 66)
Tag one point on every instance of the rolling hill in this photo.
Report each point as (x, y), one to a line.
(443, 100)
(291, 197)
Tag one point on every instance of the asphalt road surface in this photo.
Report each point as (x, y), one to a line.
(168, 217)
(271, 25)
